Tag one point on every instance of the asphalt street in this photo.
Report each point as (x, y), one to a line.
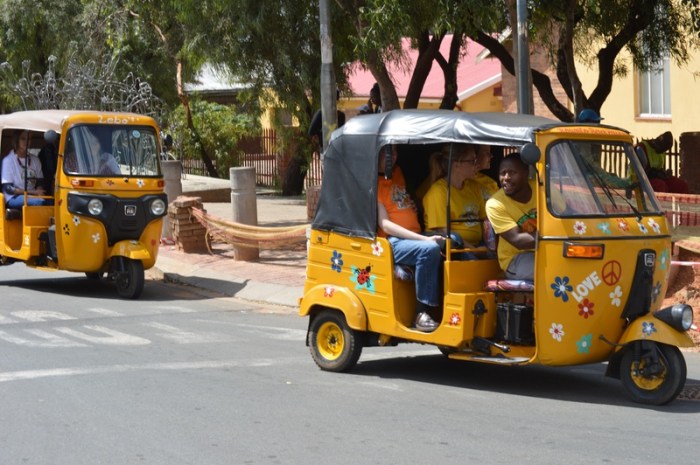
(185, 377)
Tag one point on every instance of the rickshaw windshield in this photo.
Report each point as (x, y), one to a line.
(597, 179)
(102, 150)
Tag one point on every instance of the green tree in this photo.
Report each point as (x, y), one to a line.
(597, 32)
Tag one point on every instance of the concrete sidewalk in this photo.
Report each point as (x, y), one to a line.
(277, 277)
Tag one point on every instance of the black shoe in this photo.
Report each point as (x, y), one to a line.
(425, 323)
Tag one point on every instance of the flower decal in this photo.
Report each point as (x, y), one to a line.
(663, 259)
(96, 238)
(557, 331)
(583, 345)
(455, 319)
(654, 225)
(615, 296)
(604, 228)
(328, 291)
(648, 328)
(585, 308)
(76, 220)
(622, 225)
(562, 287)
(643, 229)
(580, 228)
(377, 249)
(337, 261)
(139, 182)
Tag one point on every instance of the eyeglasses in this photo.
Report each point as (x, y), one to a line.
(472, 161)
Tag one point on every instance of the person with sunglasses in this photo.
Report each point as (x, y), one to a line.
(466, 198)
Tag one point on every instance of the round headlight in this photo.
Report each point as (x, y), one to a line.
(687, 318)
(95, 207)
(158, 207)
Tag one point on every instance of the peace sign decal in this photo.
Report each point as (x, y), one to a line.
(612, 271)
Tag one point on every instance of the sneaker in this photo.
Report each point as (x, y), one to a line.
(425, 323)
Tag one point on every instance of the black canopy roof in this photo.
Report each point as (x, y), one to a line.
(348, 202)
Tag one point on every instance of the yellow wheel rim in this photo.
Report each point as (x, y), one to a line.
(330, 341)
(648, 384)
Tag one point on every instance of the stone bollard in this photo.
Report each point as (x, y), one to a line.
(245, 207)
(172, 175)
(689, 166)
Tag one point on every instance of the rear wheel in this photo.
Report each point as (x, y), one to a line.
(130, 280)
(333, 344)
(654, 377)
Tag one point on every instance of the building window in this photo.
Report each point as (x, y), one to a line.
(655, 90)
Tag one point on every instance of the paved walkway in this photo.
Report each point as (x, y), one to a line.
(277, 277)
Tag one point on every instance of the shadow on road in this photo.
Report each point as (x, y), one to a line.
(155, 290)
(586, 383)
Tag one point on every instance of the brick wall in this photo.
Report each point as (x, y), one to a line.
(188, 233)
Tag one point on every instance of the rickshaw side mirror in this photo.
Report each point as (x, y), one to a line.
(50, 136)
(530, 153)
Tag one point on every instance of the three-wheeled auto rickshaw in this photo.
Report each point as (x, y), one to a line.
(102, 203)
(602, 255)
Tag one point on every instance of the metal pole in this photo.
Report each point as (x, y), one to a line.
(328, 87)
(522, 73)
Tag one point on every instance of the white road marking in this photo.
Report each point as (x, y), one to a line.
(181, 336)
(172, 309)
(104, 311)
(6, 321)
(175, 366)
(49, 340)
(273, 332)
(41, 315)
(112, 338)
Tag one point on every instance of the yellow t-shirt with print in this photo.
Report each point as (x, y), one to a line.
(466, 203)
(505, 214)
(488, 185)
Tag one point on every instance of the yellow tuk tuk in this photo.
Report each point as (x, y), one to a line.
(602, 257)
(82, 191)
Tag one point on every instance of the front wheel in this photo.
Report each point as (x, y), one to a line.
(333, 344)
(654, 375)
(130, 279)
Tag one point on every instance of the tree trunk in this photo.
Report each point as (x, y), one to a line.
(211, 170)
(293, 182)
(390, 101)
(428, 50)
(449, 71)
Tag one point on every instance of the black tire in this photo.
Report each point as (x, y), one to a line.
(657, 389)
(334, 346)
(130, 281)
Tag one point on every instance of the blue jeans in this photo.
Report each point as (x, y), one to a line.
(425, 257)
(17, 201)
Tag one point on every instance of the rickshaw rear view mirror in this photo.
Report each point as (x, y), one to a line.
(530, 153)
(50, 136)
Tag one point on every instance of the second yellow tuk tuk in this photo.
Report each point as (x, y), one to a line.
(86, 194)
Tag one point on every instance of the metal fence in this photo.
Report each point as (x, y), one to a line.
(270, 165)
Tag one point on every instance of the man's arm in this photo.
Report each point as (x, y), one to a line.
(518, 239)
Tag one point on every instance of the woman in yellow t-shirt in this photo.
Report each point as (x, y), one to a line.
(483, 162)
(466, 198)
